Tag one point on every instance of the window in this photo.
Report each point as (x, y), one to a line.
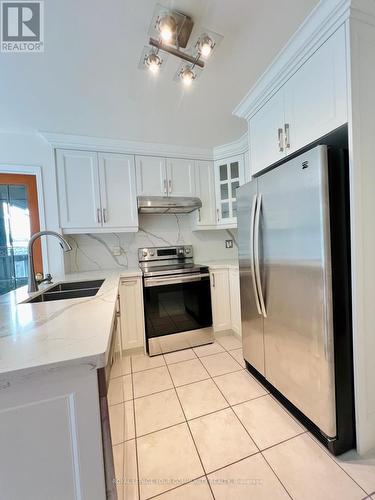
(19, 219)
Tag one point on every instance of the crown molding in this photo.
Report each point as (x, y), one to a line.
(324, 20)
(105, 145)
(233, 148)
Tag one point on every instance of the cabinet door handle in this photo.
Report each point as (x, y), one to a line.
(287, 135)
(165, 186)
(105, 218)
(199, 215)
(170, 185)
(99, 215)
(280, 134)
(218, 214)
(213, 280)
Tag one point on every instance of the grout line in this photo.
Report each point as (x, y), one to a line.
(176, 487)
(272, 469)
(326, 451)
(191, 434)
(135, 435)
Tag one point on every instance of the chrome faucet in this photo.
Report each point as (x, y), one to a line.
(32, 284)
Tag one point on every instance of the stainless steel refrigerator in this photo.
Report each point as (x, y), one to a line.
(294, 251)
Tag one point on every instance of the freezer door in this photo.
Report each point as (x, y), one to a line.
(252, 320)
(298, 332)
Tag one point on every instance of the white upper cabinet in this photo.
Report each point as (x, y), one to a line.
(78, 189)
(96, 192)
(181, 177)
(205, 182)
(312, 103)
(229, 175)
(151, 176)
(315, 96)
(266, 134)
(118, 191)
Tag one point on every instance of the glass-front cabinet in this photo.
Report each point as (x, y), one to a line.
(229, 175)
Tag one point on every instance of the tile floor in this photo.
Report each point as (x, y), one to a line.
(195, 424)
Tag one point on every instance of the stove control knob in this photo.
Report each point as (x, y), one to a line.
(180, 251)
(152, 253)
(187, 251)
(144, 253)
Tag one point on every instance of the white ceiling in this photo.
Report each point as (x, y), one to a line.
(87, 81)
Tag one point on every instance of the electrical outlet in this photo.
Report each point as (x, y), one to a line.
(116, 251)
(228, 243)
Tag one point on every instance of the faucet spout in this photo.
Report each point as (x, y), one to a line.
(32, 283)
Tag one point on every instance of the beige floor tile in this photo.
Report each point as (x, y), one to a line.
(188, 372)
(266, 422)
(221, 439)
(151, 381)
(142, 362)
(176, 357)
(229, 341)
(127, 387)
(118, 459)
(249, 479)
(167, 457)
(157, 411)
(221, 363)
(207, 350)
(129, 429)
(200, 398)
(359, 468)
(239, 386)
(196, 490)
(116, 419)
(307, 472)
(121, 367)
(130, 471)
(115, 391)
(237, 354)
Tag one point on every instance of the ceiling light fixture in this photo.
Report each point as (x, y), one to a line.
(169, 32)
(205, 46)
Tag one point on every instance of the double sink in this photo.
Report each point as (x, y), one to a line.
(68, 290)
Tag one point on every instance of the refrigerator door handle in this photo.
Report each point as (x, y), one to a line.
(256, 256)
(252, 231)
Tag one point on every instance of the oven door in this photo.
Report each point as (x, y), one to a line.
(176, 304)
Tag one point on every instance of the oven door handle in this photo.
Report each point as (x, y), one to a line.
(148, 282)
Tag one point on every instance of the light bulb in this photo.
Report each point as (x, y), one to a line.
(153, 62)
(167, 27)
(187, 76)
(206, 45)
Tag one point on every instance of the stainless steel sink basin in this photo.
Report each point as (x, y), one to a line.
(76, 285)
(72, 290)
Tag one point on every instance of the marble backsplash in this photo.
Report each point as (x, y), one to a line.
(95, 251)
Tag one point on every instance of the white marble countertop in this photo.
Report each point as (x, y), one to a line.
(223, 263)
(50, 334)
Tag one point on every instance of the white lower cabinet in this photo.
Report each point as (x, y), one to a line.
(235, 299)
(220, 299)
(132, 316)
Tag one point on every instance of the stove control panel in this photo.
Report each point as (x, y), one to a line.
(165, 253)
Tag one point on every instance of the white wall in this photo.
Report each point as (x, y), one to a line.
(156, 230)
(29, 149)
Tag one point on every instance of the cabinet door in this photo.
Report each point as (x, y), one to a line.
(235, 301)
(229, 175)
(118, 191)
(151, 176)
(181, 177)
(315, 96)
(132, 317)
(205, 181)
(78, 189)
(220, 300)
(266, 134)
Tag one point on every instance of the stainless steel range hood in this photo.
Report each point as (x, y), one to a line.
(167, 204)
